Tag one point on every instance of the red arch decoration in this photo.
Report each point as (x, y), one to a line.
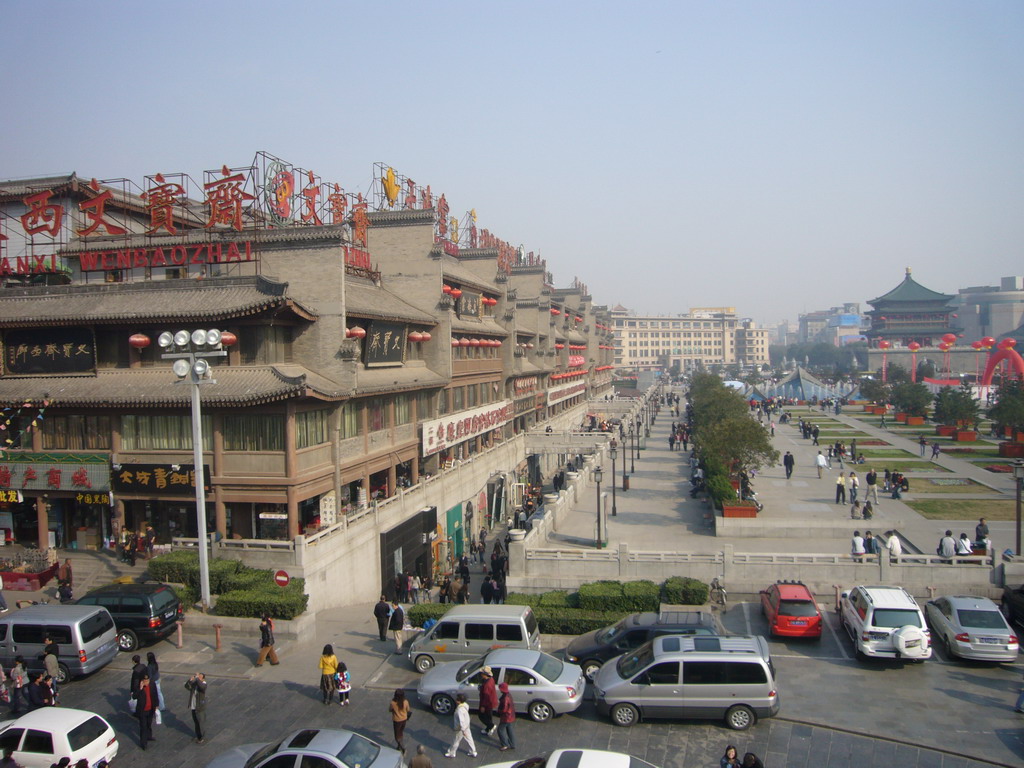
(996, 358)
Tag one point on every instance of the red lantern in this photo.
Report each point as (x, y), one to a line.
(1010, 343)
(464, 341)
(415, 337)
(884, 344)
(913, 346)
(559, 346)
(358, 333)
(446, 288)
(424, 336)
(883, 317)
(455, 343)
(474, 342)
(529, 345)
(497, 342)
(456, 292)
(139, 340)
(944, 346)
(227, 338)
(949, 338)
(988, 341)
(976, 345)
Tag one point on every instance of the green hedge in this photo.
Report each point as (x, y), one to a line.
(622, 597)
(574, 621)
(419, 613)
(520, 598)
(182, 566)
(281, 603)
(682, 590)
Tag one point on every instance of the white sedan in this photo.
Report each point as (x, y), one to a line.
(41, 738)
(578, 758)
(972, 628)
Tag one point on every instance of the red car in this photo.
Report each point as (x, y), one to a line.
(791, 610)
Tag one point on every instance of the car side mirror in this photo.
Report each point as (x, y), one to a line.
(844, 595)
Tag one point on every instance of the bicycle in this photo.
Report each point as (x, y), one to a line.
(718, 593)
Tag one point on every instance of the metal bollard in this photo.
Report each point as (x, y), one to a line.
(837, 588)
(181, 643)
(217, 628)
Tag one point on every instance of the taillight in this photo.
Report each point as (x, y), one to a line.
(1013, 640)
(81, 655)
(113, 740)
(154, 622)
(772, 694)
(963, 637)
(571, 691)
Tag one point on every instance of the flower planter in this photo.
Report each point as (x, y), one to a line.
(1012, 450)
(945, 430)
(16, 581)
(1019, 437)
(965, 436)
(878, 410)
(735, 484)
(915, 421)
(901, 418)
(739, 510)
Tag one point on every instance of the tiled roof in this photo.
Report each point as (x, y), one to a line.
(211, 299)
(397, 379)
(486, 325)
(455, 272)
(367, 300)
(910, 291)
(159, 387)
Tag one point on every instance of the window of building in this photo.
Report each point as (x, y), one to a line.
(376, 417)
(261, 345)
(311, 428)
(76, 433)
(162, 432)
(350, 422)
(403, 414)
(254, 432)
(426, 405)
(458, 399)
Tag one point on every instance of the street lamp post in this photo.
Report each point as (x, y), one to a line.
(613, 452)
(1018, 475)
(190, 351)
(633, 450)
(597, 479)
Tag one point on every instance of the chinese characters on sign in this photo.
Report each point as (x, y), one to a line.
(468, 305)
(49, 476)
(160, 478)
(49, 350)
(559, 394)
(384, 344)
(439, 434)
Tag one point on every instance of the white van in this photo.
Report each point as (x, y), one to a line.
(85, 635)
(469, 631)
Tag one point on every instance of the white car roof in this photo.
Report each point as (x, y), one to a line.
(52, 719)
(960, 602)
(890, 597)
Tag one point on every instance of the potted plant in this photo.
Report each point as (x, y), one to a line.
(911, 401)
(1008, 412)
(958, 412)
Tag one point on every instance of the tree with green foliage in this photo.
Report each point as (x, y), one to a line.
(911, 398)
(723, 431)
(956, 406)
(874, 390)
(1009, 408)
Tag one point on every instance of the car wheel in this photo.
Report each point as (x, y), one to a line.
(540, 711)
(442, 704)
(590, 669)
(63, 674)
(127, 640)
(740, 717)
(424, 663)
(625, 714)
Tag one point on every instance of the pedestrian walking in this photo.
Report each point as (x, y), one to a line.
(419, 761)
(461, 727)
(981, 530)
(506, 719)
(328, 669)
(416, 586)
(51, 663)
(382, 612)
(344, 682)
(3, 600)
(65, 574)
(39, 694)
(788, 462)
(486, 590)
(154, 678)
(821, 463)
(399, 709)
(672, 441)
(145, 709)
(138, 670)
(196, 687)
(488, 702)
(396, 624)
(871, 483)
(18, 682)
(882, 424)
(854, 485)
(936, 449)
(841, 488)
(267, 642)
(922, 443)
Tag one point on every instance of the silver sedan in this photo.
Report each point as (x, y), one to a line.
(972, 628)
(541, 685)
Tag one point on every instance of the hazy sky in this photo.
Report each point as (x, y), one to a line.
(779, 157)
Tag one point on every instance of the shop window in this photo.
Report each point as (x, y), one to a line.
(350, 423)
(142, 432)
(261, 345)
(471, 396)
(402, 410)
(76, 433)
(255, 432)
(442, 403)
(458, 399)
(426, 405)
(310, 428)
(376, 417)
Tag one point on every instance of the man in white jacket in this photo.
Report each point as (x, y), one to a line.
(461, 726)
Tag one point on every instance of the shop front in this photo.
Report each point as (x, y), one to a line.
(408, 549)
(160, 495)
(47, 498)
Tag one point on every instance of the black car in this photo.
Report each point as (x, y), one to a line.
(593, 649)
(143, 613)
(1013, 604)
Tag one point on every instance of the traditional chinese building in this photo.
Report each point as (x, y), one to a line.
(379, 342)
(910, 312)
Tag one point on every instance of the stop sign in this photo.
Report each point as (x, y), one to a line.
(281, 578)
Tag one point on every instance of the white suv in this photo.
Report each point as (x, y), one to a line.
(885, 621)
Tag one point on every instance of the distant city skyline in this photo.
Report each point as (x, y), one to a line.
(775, 157)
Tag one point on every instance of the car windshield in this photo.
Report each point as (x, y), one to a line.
(609, 634)
(981, 619)
(631, 663)
(798, 608)
(262, 752)
(548, 667)
(893, 618)
(359, 752)
(469, 668)
(531, 762)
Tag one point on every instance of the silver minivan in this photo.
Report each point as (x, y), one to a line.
(85, 635)
(469, 631)
(690, 677)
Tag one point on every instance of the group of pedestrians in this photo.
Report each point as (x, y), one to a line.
(494, 700)
(390, 617)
